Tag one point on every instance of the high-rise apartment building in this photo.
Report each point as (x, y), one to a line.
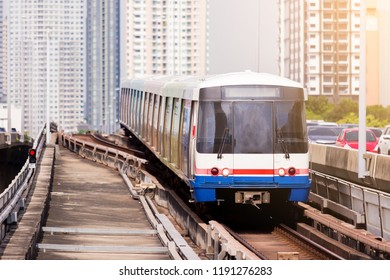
(163, 37)
(103, 65)
(46, 62)
(3, 39)
(3, 76)
(320, 47)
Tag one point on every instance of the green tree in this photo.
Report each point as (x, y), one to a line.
(372, 121)
(347, 111)
(318, 105)
(379, 112)
(349, 118)
(342, 109)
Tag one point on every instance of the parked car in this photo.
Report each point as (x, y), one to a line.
(320, 122)
(384, 142)
(377, 131)
(323, 134)
(349, 138)
(349, 125)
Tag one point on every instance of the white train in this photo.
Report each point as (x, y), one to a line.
(238, 137)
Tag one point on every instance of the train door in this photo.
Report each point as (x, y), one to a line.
(253, 142)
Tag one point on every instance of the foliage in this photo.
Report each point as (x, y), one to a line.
(317, 106)
(26, 137)
(349, 118)
(347, 111)
(338, 111)
(83, 131)
(379, 112)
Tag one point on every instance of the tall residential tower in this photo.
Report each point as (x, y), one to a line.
(163, 37)
(103, 61)
(320, 47)
(45, 74)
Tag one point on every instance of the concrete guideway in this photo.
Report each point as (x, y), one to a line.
(90, 215)
(87, 195)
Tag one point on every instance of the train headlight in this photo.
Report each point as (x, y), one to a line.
(225, 172)
(281, 172)
(214, 171)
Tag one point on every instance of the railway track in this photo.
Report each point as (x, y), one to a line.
(101, 140)
(282, 243)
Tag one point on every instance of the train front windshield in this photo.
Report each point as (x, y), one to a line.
(252, 120)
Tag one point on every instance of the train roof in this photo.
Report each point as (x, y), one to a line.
(247, 78)
(235, 78)
(176, 85)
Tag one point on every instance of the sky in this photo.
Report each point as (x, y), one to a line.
(244, 36)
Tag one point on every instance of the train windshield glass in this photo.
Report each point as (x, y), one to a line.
(251, 127)
(215, 126)
(290, 131)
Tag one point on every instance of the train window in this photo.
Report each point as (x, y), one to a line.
(215, 120)
(128, 112)
(134, 108)
(167, 128)
(161, 125)
(156, 114)
(121, 102)
(131, 108)
(229, 123)
(142, 116)
(124, 101)
(253, 131)
(137, 111)
(140, 113)
(126, 107)
(185, 136)
(175, 132)
(290, 127)
(150, 118)
(134, 102)
(145, 115)
(123, 105)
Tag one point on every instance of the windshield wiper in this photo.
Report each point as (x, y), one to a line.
(283, 144)
(220, 149)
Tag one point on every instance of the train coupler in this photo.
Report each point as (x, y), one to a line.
(253, 198)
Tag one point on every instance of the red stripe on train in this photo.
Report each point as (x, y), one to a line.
(303, 171)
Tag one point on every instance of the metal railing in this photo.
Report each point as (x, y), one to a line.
(11, 200)
(368, 207)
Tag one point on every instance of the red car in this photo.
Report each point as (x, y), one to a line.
(348, 138)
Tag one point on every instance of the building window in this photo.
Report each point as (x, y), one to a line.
(328, 90)
(328, 68)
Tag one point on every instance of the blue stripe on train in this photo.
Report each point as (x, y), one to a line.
(205, 186)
